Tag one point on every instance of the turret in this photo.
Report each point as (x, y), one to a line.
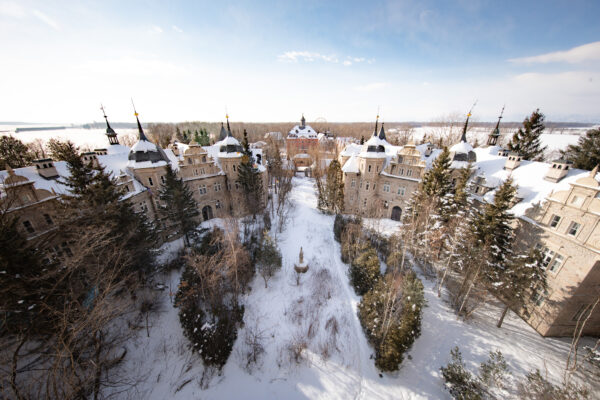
(110, 133)
(493, 137)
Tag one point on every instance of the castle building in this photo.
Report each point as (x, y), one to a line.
(557, 210)
(211, 172)
(301, 142)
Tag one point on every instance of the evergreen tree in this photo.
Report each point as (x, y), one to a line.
(362, 140)
(250, 179)
(586, 153)
(179, 206)
(365, 271)
(14, 153)
(526, 141)
(269, 258)
(437, 181)
(334, 188)
(204, 138)
(62, 151)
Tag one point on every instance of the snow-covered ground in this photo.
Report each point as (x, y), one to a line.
(287, 313)
(83, 138)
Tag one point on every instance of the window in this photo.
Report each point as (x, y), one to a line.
(409, 172)
(385, 204)
(476, 189)
(28, 226)
(367, 186)
(369, 167)
(237, 186)
(202, 171)
(189, 161)
(162, 179)
(217, 187)
(143, 206)
(401, 172)
(538, 297)
(386, 187)
(196, 172)
(547, 256)
(401, 190)
(202, 189)
(234, 168)
(556, 263)
(374, 186)
(364, 202)
(353, 183)
(577, 201)
(574, 228)
(392, 169)
(48, 219)
(554, 221)
(126, 187)
(150, 181)
(203, 158)
(218, 204)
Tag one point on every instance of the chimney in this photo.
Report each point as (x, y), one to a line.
(428, 149)
(45, 167)
(101, 152)
(558, 170)
(503, 152)
(513, 161)
(90, 158)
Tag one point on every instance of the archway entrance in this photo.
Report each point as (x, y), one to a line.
(396, 213)
(207, 213)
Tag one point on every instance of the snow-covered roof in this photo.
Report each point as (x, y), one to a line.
(302, 132)
(143, 145)
(351, 165)
(461, 147)
(528, 177)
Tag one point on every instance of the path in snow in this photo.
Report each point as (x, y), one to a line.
(285, 311)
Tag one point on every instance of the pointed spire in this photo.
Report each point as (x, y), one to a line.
(142, 136)
(228, 127)
(382, 133)
(376, 121)
(109, 129)
(497, 128)
(463, 138)
(223, 132)
(302, 122)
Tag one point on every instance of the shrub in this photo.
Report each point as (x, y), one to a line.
(536, 387)
(458, 381)
(365, 271)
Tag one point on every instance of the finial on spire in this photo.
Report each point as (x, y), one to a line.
(142, 136)
(376, 122)
(463, 138)
(228, 127)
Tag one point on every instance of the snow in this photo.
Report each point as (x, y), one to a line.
(351, 165)
(229, 140)
(461, 147)
(143, 145)
(306, 132)
(165, 362)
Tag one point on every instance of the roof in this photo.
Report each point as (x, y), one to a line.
(299, 131)
(351, 165)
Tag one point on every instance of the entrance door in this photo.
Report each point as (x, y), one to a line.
(207, 213)
(396, 213)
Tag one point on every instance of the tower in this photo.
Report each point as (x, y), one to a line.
(302, 122)
(493, 137)
(110, 132)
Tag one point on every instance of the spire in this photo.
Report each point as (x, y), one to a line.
(140, 130)
(228, 127)
(463, 138)
(223, 132)
(109, 129)
(382, 133)
(376, 120)
(302, 122)
(497, 128)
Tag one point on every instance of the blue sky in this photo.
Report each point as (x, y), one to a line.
(271, 61)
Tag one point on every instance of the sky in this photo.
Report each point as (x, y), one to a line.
(272, 61)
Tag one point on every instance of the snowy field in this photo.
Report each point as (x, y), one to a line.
(327, 369)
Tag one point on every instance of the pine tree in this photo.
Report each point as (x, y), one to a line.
(269, 258)
(14, 153)
(437, 181)
(526, 141)
(365, 271)
(586, 153)
(334, 188)
(179, 206)
(204, 138)
(250, 179)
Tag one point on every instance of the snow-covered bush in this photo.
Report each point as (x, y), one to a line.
(365, 271)
(390, 313)
(493, 372)
(536, 387)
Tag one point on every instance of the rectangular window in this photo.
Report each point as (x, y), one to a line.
(547, 256)
(202, 189)
(369, 167)
(48, 219)
(401, 190)
(409, 172)
(537, 297)
(353, 183)
(234, 168)
(162, 179)
(367, 186)
(401, 172)
(555, 220)
(386, 187)
(556, 263)
(196, 172)
(217, 187)
(574, 228)
(202, 171)
(218, 204)
(150, 181)
(28, 226)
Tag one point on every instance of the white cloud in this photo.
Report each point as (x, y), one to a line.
(347, 63)
(155, 29)
(306, 56)
(177, 29)
(579, 54)
(46, 19)
(371, 86)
